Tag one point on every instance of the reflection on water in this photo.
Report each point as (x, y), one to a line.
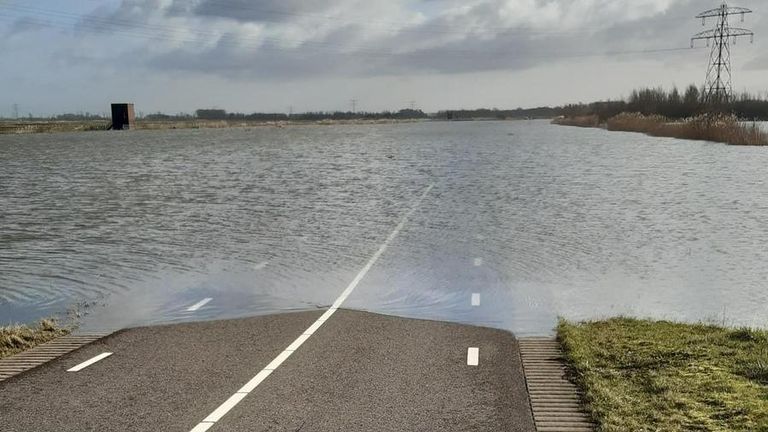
(565, 221)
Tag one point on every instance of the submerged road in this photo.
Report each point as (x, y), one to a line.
(328, 370)
(357, 372)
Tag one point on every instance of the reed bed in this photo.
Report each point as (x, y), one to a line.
(716, 127)
(724, 128)
(579, 121)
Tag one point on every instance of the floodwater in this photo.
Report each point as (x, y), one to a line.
(540, 220)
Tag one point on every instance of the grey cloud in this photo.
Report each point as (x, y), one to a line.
(456, 43)
(249, 11)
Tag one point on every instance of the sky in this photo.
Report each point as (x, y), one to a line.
(276, 55)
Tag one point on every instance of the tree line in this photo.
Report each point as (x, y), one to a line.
(220, 114)
(672, 104)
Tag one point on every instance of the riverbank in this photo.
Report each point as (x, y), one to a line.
(721, 128)
(31, 127)
(646, 376)
(17, 338)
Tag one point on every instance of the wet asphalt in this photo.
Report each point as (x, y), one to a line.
(358, 372)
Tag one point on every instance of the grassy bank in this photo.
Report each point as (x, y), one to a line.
(660, 376)
(17, 338)
(709, 127)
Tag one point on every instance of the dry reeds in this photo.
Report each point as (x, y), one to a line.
(724, 128)
(17, 338)
(579, 121)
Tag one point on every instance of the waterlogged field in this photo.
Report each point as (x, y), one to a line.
(536, 220)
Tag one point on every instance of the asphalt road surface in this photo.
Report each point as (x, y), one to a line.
(357, 372)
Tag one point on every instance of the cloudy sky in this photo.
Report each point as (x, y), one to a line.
(269, 55)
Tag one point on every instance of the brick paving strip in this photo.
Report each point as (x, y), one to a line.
(555, 401)
(43, 353)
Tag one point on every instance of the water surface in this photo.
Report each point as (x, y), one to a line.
(541, 220)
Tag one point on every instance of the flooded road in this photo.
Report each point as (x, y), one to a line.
(526, 220)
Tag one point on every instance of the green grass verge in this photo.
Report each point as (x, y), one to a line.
(17, 338)
(641, 375)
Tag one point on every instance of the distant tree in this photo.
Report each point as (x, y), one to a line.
(211, 114)
(691, 100)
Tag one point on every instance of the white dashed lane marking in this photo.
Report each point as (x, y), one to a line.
(87, 363)
(199, 304)
(473, 356)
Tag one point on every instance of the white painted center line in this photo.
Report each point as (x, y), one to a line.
(202, 427)
(87, 363)
(476, 299)
(473, 356)
(478, 262)
(233, 400)
(199, 304)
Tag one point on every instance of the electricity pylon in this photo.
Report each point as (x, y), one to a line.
(719, 87)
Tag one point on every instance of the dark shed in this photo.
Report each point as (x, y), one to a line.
(123, 116)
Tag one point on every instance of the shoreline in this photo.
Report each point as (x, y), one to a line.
(55, 126)
(12, 127)
(714, 127)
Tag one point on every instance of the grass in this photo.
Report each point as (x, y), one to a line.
(641, 375)
(17, 338)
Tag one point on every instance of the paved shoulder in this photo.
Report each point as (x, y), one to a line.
(367, 372)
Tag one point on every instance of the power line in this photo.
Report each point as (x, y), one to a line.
(719, 85)
(148, 31)
(84, 20)
(404, 28)
(136, 32)
(399, 26)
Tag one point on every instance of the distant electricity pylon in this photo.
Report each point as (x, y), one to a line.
(353, 102)
(719, 87)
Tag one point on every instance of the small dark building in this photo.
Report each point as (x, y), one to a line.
(123, 116)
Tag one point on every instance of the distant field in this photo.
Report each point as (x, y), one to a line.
(26, 127)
